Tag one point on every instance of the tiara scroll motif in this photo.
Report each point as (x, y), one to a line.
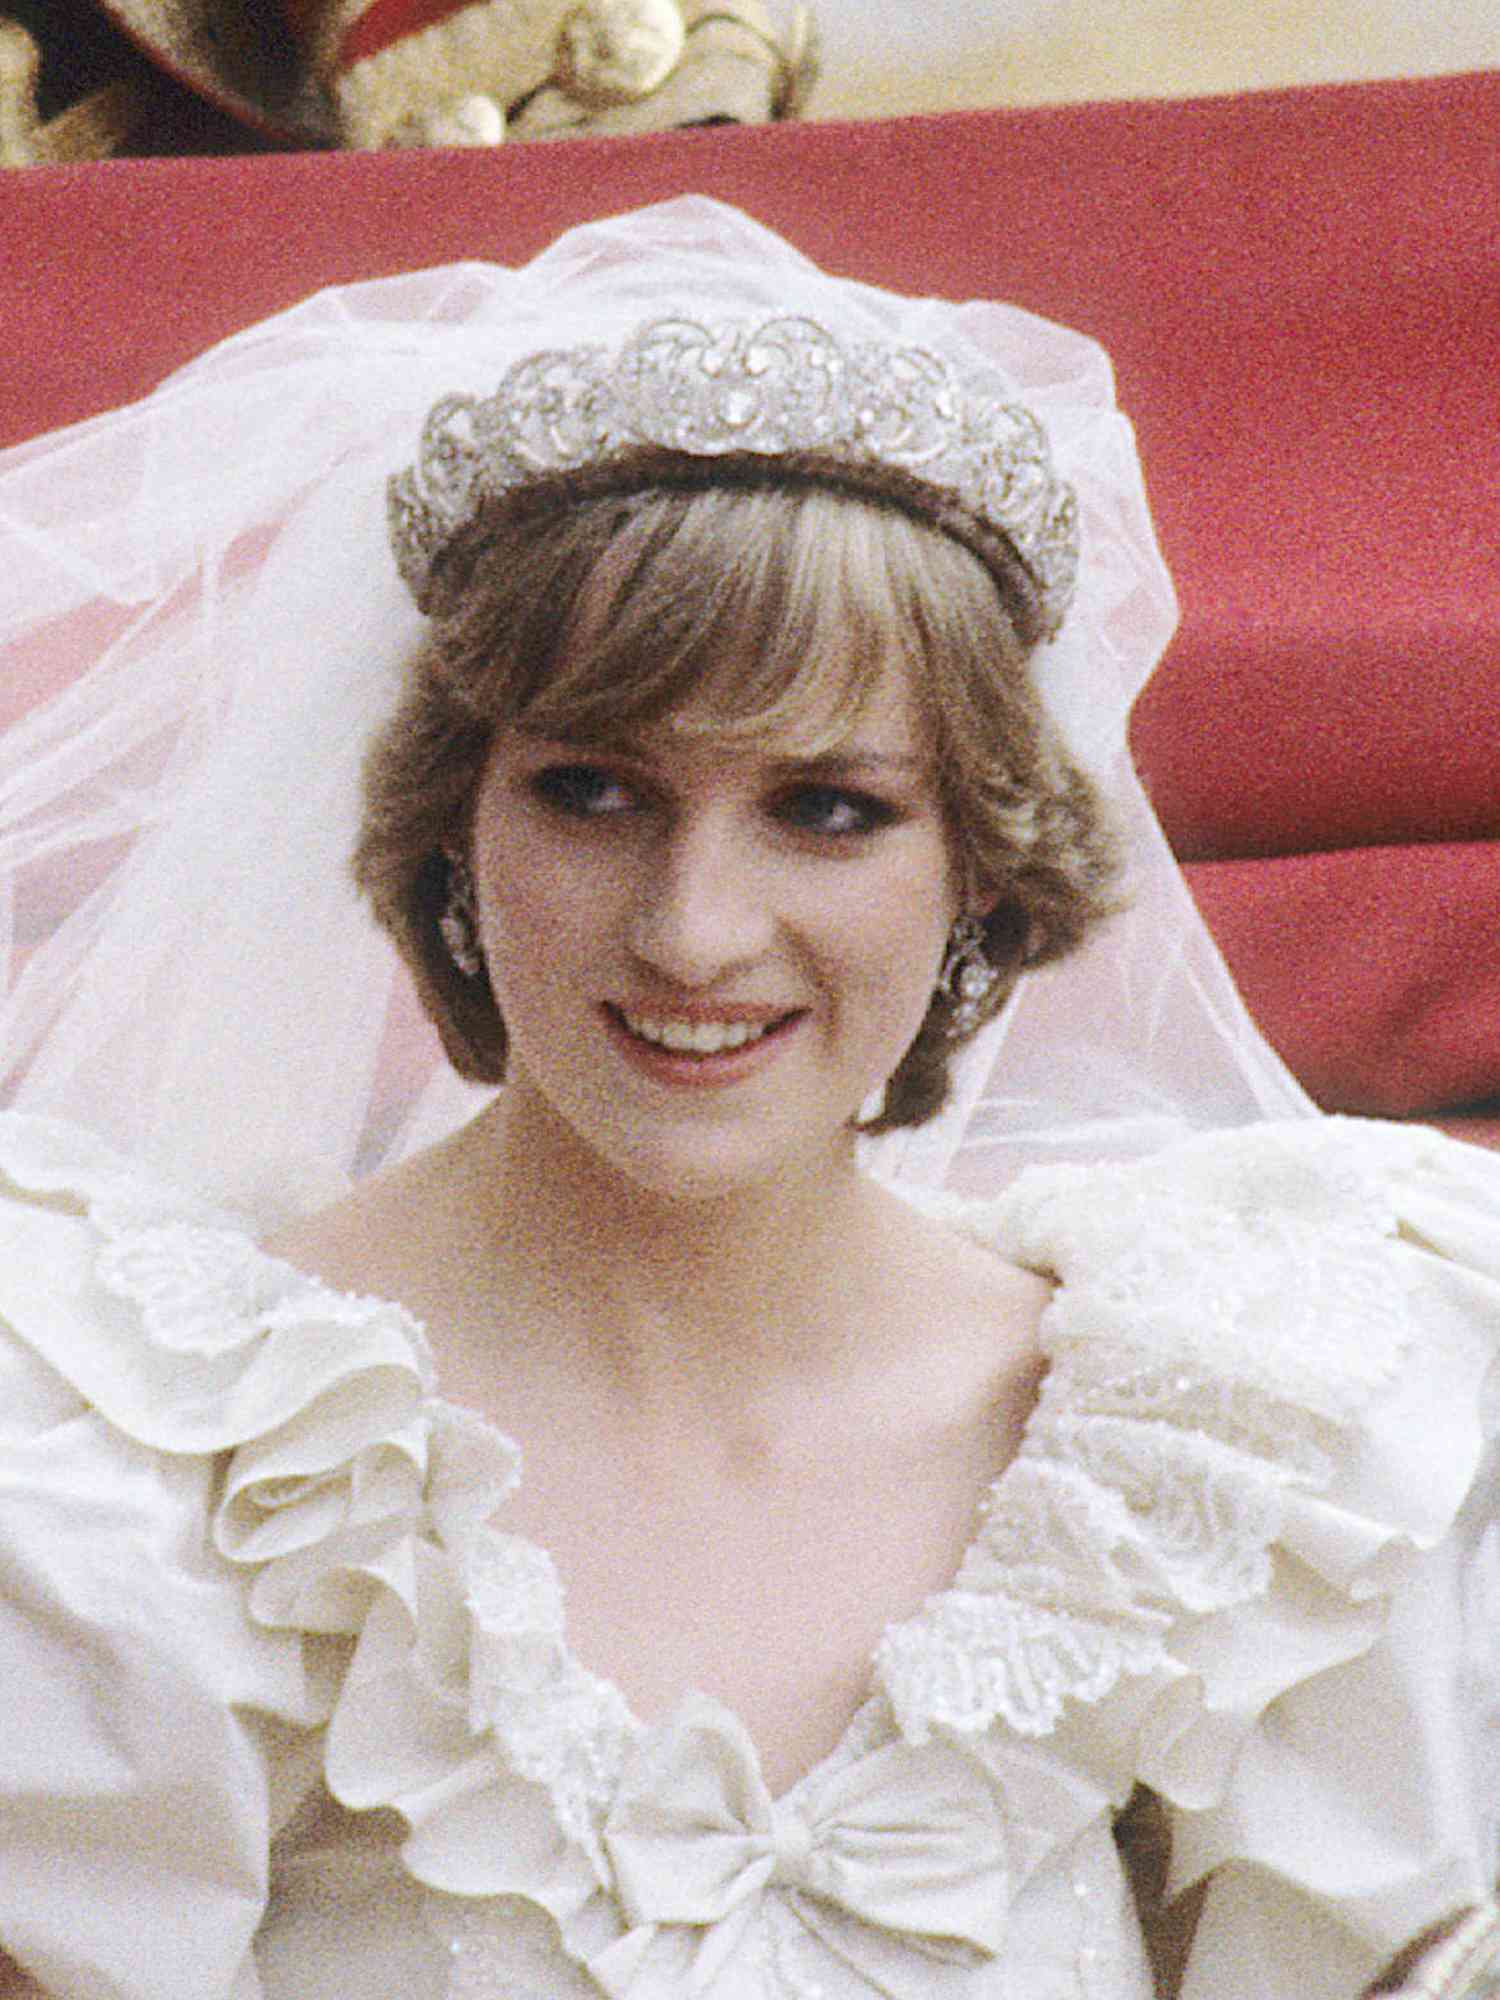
(764, 388)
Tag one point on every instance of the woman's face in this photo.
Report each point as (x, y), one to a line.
(708, 954)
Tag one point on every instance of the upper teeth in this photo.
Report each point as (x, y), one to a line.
(700, 1038)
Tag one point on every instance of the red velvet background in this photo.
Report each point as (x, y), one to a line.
(1301, 291)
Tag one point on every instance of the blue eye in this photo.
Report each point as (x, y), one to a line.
(581, 790)
(835, 812)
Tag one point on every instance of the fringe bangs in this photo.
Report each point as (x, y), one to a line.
(783, 640)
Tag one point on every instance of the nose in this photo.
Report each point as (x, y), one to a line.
(702, 908)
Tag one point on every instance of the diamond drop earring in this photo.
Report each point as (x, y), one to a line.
(459, 922)
(967, 978)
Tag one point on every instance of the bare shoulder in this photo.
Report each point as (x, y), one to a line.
(949, 1264)
(385, 1239)
(972, 1317)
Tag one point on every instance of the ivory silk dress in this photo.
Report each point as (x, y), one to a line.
(288, 1714)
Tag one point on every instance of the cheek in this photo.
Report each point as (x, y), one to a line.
(904, 926)
(531, 927)
(529, 913)
(520, 894)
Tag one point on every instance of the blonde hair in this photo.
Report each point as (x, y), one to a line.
(745, 605)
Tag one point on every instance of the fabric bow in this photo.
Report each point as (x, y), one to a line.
(896, 1863)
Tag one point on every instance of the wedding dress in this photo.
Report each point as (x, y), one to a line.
(263, 1610)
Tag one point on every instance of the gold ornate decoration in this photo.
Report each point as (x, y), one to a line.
(97, 124)
(374, 73)
(618, 51)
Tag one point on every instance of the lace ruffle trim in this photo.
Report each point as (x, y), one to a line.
(1150, 1490)
(1225, 1312)
(1138, 1497)
(1260, 1256)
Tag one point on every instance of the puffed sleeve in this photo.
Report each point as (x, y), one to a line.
(1362, 1800)
(137, 1726)
(154, 1730)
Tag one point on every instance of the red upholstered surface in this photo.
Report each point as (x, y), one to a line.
(1407, 931)
(1302, 294)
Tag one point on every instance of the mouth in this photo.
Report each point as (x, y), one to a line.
(702, 1039)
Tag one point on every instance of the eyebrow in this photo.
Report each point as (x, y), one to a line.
(849, 763)
(833, 763)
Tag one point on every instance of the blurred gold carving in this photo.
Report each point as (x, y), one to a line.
(618, 51)
(96, 125)
(544, 69)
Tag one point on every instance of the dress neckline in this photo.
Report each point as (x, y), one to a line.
(599, 1693)
(604, 1693)
(1187, 1393)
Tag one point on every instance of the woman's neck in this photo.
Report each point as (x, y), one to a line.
(730, 1290)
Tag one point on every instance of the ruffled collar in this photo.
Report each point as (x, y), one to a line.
(359, 1506)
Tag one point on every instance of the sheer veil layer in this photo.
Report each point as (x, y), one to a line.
(202, 622)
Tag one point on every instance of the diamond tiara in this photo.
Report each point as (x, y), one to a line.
(764, 388)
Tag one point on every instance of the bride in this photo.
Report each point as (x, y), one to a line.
(857, 1435)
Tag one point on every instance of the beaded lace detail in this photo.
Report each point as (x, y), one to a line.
(562, 1726)
(1138, 1495)
(205, 1288)
(1222, 1310)
(1258, 1255)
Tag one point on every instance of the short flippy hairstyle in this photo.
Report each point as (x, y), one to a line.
(755, 603)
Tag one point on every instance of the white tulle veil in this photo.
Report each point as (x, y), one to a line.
(202, 622)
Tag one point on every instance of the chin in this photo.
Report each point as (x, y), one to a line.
(703, 1153)
(702, 1166)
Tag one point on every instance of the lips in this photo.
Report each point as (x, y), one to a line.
(699, 1036)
